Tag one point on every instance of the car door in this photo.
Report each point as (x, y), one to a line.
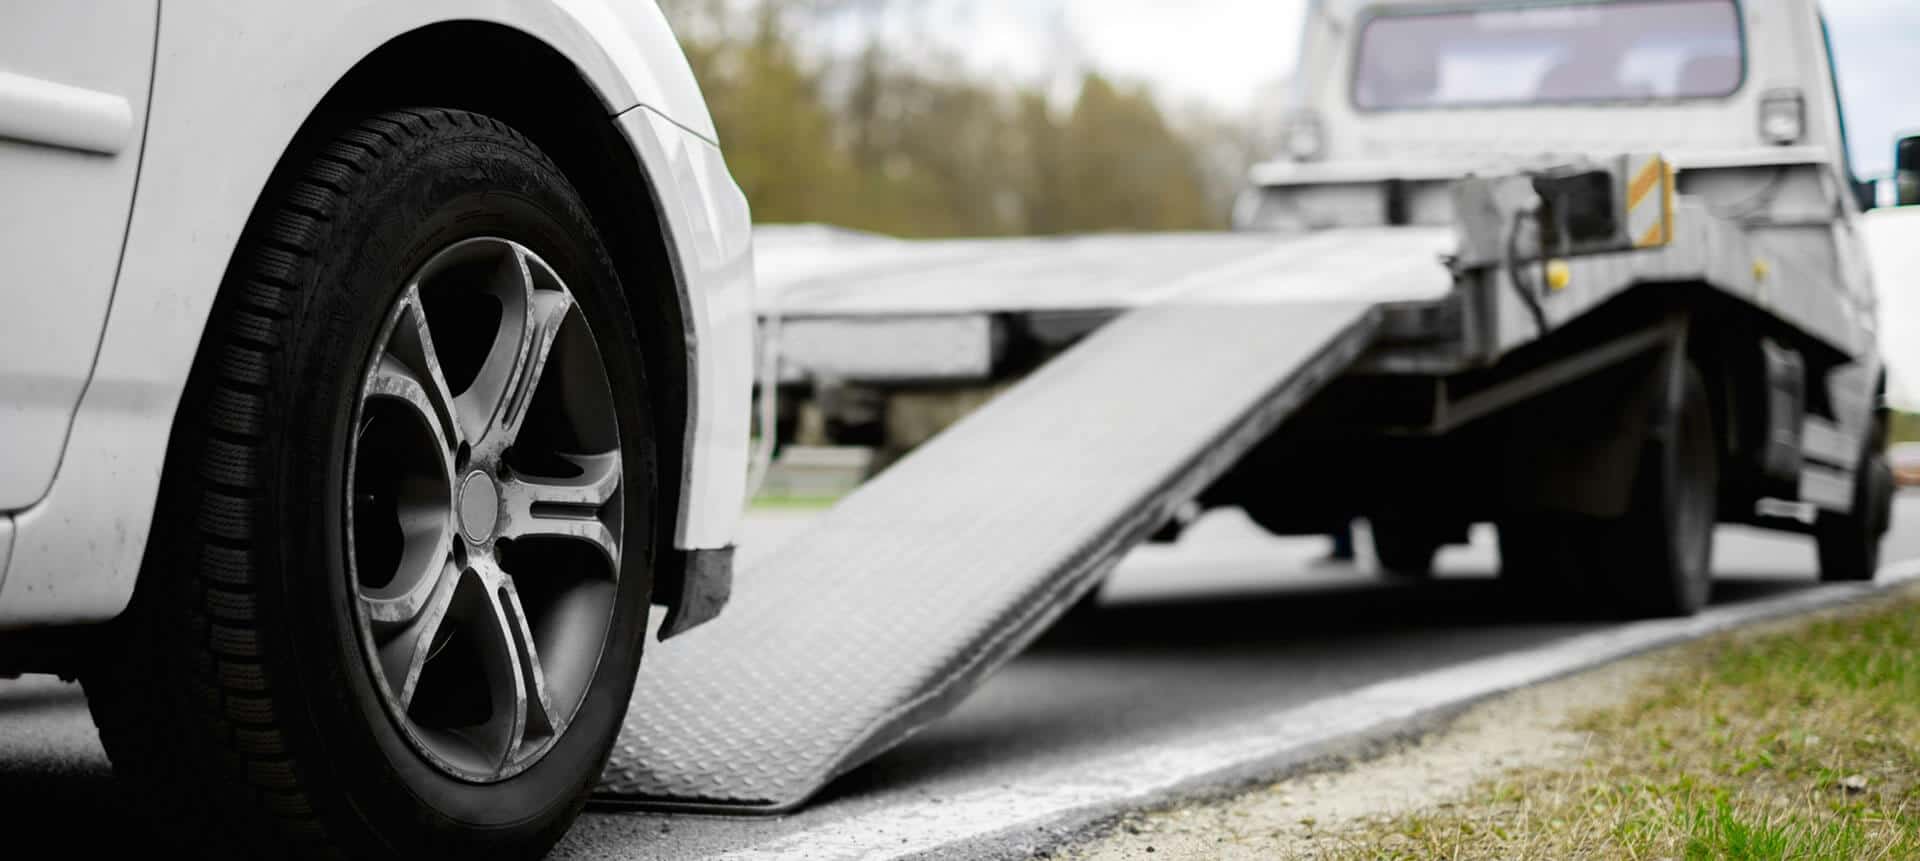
(74, 81)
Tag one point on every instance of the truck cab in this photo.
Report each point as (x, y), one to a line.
(1397, 98)
(1425, 89)
(1397, 101)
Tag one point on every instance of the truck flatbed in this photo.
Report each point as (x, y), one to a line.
(863, 308)
(809, 272)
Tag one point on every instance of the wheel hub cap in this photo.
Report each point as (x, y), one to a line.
(479, 507)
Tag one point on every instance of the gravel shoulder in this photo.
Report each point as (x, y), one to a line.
(1781, 740)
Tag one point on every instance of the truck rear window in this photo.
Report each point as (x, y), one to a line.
(1564, 53)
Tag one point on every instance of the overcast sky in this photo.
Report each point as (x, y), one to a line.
(1224, 52)
(1874, 43)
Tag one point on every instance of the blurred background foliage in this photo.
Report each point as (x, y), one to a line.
(1906, 427)
(919, 147)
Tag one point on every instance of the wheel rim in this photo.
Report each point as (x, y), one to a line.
(483, 510)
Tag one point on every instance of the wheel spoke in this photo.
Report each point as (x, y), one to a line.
(393, 380)
(410, 367)
(550, 309)
(521, 704)
(478, 605)
(541, 717)
(572, 508)
(404, 656)
(495, 405)
(428, 539)
(418, 499)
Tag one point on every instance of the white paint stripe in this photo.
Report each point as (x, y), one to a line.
(1152, 772)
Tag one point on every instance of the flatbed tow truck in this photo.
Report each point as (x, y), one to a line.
(1587, 271)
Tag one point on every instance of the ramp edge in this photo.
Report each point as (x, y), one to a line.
(1079, 575)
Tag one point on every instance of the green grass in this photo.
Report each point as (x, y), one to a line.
(792, 503)
(1803, 743)
(1720, 831)
(1906, 427)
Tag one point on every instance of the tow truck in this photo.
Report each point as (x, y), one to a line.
(1589, 271)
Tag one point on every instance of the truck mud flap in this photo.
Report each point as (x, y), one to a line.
(900, 600)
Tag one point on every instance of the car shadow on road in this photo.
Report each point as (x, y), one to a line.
(56, 787)
(1141, 670)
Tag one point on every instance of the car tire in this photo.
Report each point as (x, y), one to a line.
(1850, 543)
(275, 687)
(1656, 560)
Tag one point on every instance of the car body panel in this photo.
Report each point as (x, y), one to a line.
(6, 541)
(233, 84)
(73, 98)
(708, 216)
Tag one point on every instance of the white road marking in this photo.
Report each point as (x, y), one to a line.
(1150, 773)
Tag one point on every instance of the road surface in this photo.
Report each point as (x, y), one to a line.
(1223, 628)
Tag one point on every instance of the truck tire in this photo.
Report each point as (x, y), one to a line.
(1404, 550)
(395, 597)
(1850, 543)
(1656, 560)
(1528, 553)
(1539, 568)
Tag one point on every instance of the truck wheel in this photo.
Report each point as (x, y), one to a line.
(1850, 543)
(397, 588)
(1527, 549)
(1656, 560)
(1404, 550)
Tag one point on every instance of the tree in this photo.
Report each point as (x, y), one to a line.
(869, 142)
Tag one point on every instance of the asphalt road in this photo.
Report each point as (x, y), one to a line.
(1227, 625)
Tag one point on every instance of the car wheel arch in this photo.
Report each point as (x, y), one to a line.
(518, 79)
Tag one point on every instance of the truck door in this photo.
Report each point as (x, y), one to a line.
(74, 81)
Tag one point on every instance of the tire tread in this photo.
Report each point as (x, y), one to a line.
(173, 701)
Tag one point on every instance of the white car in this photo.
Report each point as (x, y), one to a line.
(367, 369)
(1906, 463)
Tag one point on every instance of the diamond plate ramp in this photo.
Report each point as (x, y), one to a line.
(900, 600)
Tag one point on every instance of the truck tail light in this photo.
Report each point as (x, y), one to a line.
(1783, 117)
(1306, 138)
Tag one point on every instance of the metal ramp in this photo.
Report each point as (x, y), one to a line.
(902, 598)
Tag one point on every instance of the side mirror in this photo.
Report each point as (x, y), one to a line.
(1906, 171)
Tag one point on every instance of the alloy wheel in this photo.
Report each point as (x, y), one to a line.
(483, 509)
